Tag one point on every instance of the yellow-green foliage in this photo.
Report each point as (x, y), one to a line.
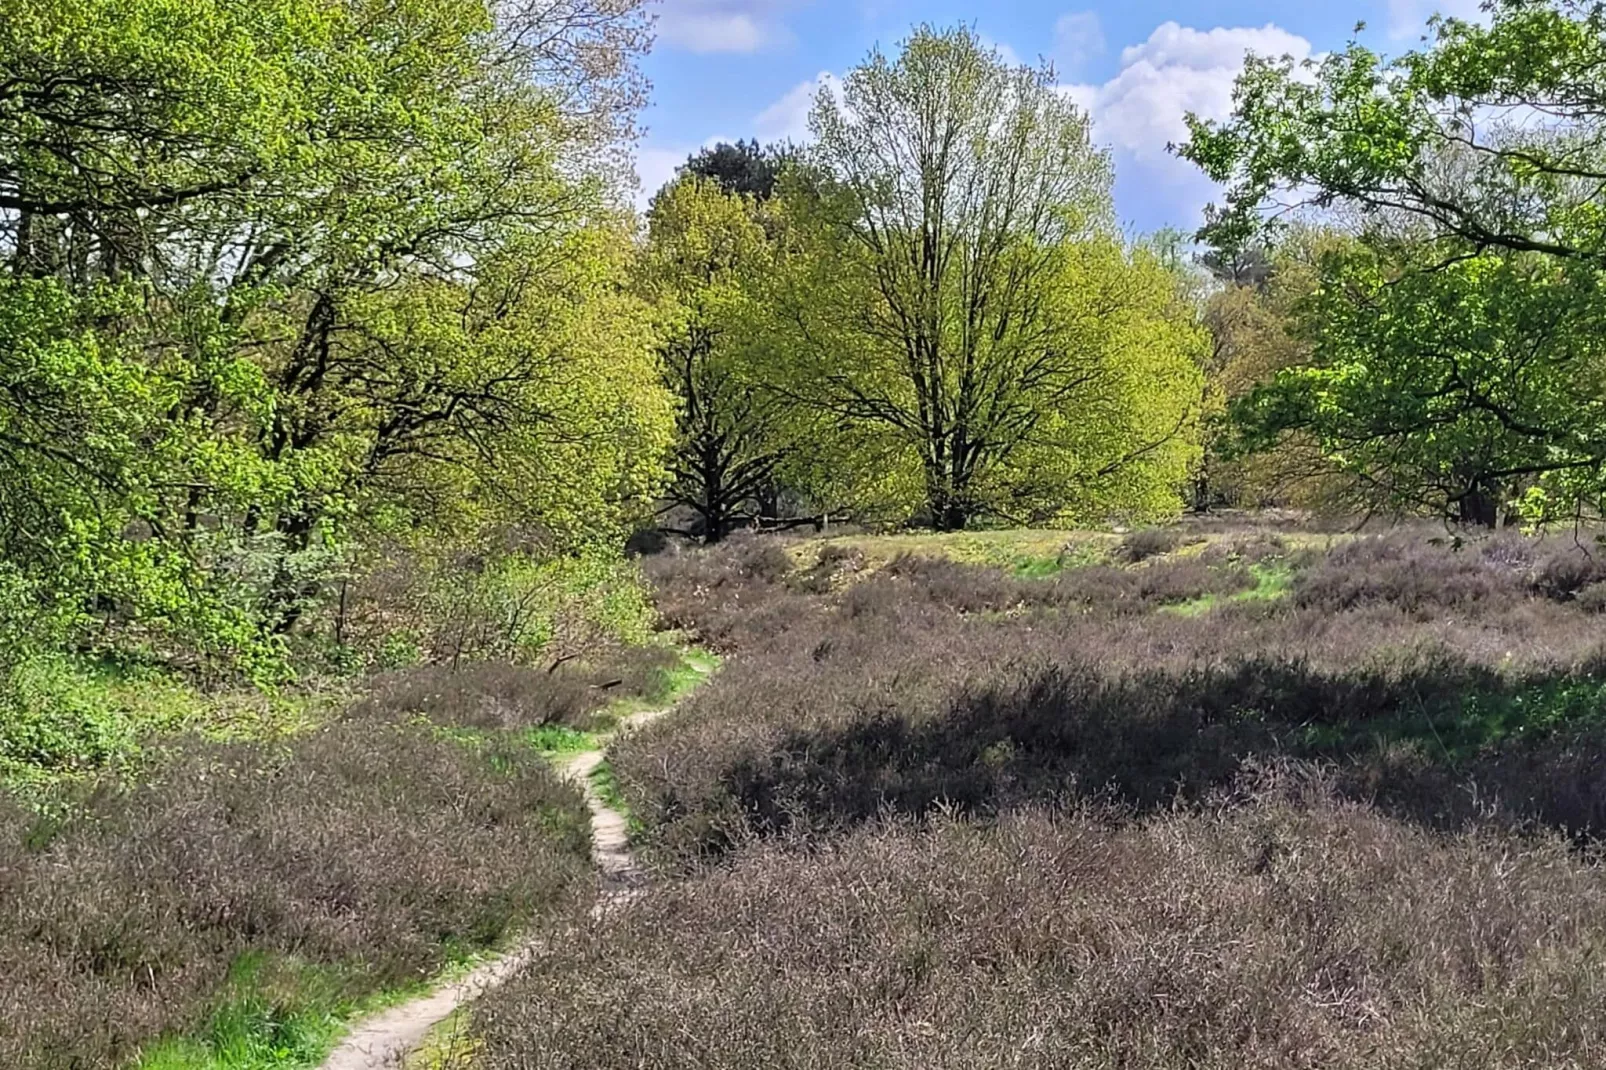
(955, 298)
(1019, 549)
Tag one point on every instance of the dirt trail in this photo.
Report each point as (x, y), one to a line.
(385, 1039)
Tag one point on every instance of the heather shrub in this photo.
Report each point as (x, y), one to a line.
(1247, 548)
(834, 564)
(490, 695)
(1407, 573)
(1592, 599)
(1096, 588)
(1282, 928)
(484, 695)
(1145, 543)
(1171, 582)
(726, 597)
(963, 587)
(1568, 569)
(507, 595)
(884, 696)
(367, 852)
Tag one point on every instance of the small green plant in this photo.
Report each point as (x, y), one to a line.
(1273, 580)
(560, 739)
(275, 1012)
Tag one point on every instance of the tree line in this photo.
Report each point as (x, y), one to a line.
(292, 290)
(928, 314)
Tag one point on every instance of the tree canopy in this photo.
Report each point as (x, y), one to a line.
(279, 274)
(743, 167)
(705, 251)
(1457, 362)
(954, 296)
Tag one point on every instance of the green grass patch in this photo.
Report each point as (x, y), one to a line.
(695, 666)
(1458, 727)
(560, 739)
(671, 685)
(1272, 582)
(276, 1013)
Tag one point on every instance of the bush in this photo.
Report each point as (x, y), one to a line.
(1565, 571)
(499, 695)
(1145, 543)
(1408, 573)
(835, 564)
(53, 719)
(935, 683)
(1286, 929)
(508, 598)
(371, 853)
(1245, 548)
(727, 597)
(488, 695)
(1592, 599)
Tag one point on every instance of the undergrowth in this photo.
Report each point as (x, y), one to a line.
(238, 901)
(1447, 683)
(1273, 926)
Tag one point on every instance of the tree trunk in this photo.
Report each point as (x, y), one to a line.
(1478, 507)
(948, 513)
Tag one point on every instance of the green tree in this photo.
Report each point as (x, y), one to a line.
(955, 299)
(1490, 135)
(744, 167)
(705, 248)
(284, 275)
(1451, 389)
(1456, 366)
(1256, 333)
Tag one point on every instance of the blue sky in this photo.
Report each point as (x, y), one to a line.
(723, 69)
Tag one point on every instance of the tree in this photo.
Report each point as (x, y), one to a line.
(955, 300)
(1445, 135)
(705, 246)
(745, 167)
(1456, 359)
(281, 275)
(1256, 333)
(1449, 389)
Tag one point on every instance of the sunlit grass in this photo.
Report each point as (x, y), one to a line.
(1026, 552)
(1273, 580)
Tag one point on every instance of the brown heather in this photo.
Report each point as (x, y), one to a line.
(502, 695)
(932, 682)
(372, 852)
(1277, 928)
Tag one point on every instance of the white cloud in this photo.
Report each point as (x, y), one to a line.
(1408, 18)
(1178, 70)
(721, 25)
(1078, 38)
(1083, 96)
(788, 118)
(656, 165)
